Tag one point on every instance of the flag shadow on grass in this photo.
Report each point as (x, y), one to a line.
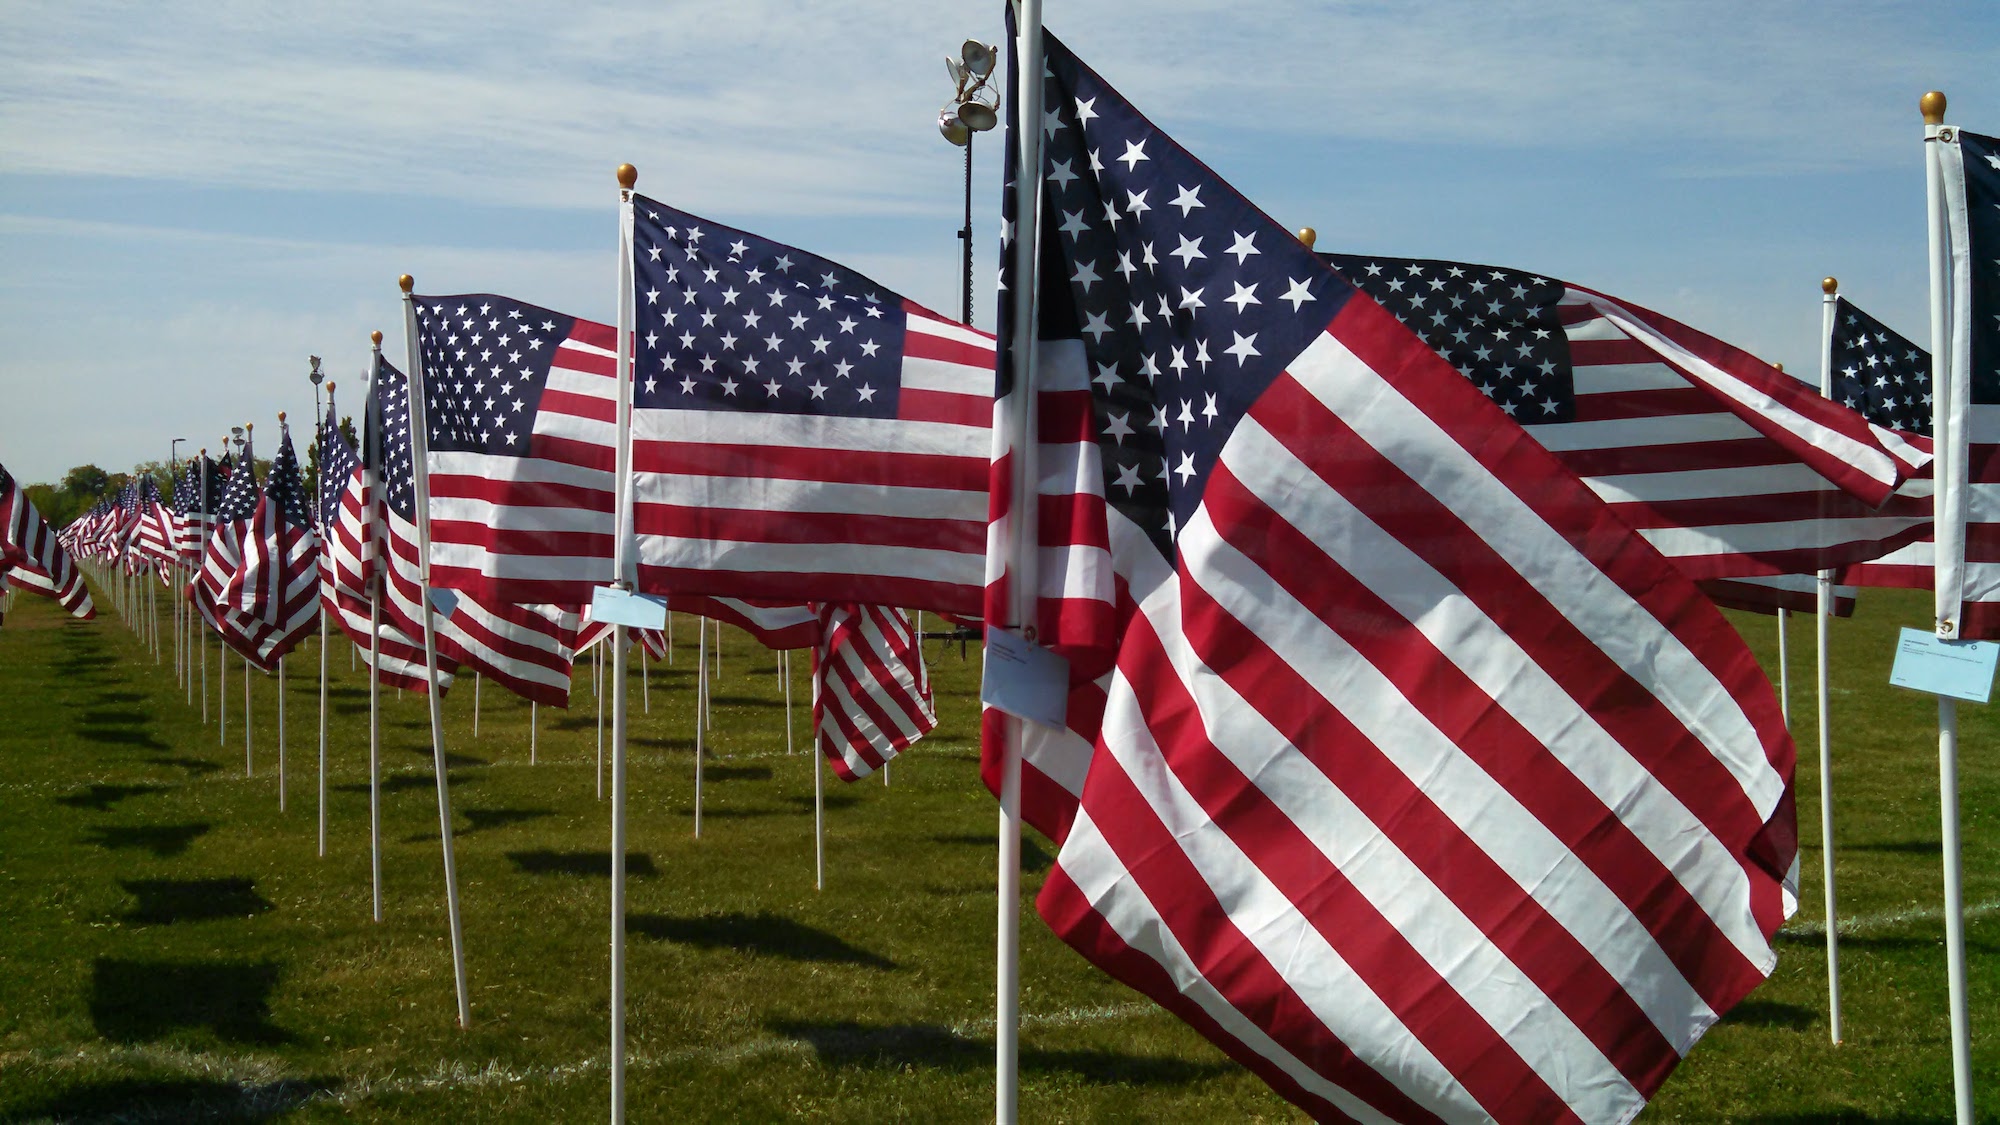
(405, 782)
(101, 797)
(764, 935)
(164, 902)
(178, 1099)
(141, 1001)
(451, 761)
(638, 865)
(1772, 1013)
(736, 773)
(482, 820)
(846, 1043)
(196, 767)
(163, 840)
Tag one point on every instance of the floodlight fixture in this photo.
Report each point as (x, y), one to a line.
(317, 377)
(979, 57)
(953, 128)
(978, 116)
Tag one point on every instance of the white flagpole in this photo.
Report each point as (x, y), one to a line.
(247, 738)
(1829, 295)
(597, 657)
(201, 632)
(221, 693)
(1021, 586)
(670, 638)
(1784, 669)
(325, 546)
(475, 705)
(819, 792)
(645, 683)
(786, 664)
(420, 469)
(372, 478)
(534, 722)
(281, 734)
(624, 568)
(700, 711)
(1950, 423)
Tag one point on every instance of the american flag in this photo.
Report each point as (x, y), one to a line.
(1420, 783)
(1726, 464)
(37, 559)
(871, 700)
(527, 649)
(347, 567)
(1971, 184)
(522, 406)
(153, 535)
(196, 498)
(800, 433)
(256, 586)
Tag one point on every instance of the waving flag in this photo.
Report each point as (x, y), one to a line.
(38, 561)
(1727, 465)
(522, 405)
(1418, 782)
(197, 498)
(527, 649)
(347, 567)
(261, 554)
(153, 535)
(870, 698)
(798, 431)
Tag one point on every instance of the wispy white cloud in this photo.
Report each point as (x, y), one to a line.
(795, 108)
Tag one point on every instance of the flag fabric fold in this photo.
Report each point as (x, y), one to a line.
(1415, 779)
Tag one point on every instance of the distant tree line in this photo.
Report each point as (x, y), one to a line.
(85, 486)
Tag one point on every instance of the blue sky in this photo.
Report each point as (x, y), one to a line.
(195, 196)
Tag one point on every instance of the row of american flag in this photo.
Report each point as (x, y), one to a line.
(1406, 755)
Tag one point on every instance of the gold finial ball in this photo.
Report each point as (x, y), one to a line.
(1933, 107)
(330, 385)
(407, 282)
(1779, 366)
(248, 426)
(376, 337)
(1308, 236)
(627, 176)
(281, 417)
(1829, 285)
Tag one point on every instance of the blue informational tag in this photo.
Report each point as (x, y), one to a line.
(1024, 679)
(623, 607)
(444, 601)
(1960, 669)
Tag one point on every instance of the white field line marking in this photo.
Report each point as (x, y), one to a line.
(267, 1084)
(1890, 919)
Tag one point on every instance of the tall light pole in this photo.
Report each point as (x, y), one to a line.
(972, 109)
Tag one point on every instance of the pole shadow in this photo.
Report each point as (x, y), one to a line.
(846, 1043)
(178, 1099)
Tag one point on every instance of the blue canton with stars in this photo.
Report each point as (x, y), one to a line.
(285, 485)
(337, 463)
(1189, 301)
(392, 402)
(486, 361)
(239, 498)
(1879, 374)
(1497, 326)
(731, 321)
(1982, 205)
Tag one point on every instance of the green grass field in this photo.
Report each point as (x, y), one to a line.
(173, 949)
